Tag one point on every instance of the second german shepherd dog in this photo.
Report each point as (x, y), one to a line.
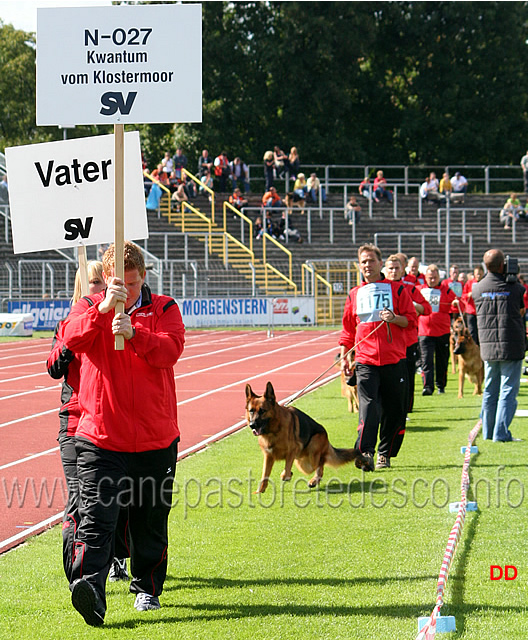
(469, 361)
(286, 433)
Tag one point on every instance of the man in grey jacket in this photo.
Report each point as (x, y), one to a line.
(500, 310)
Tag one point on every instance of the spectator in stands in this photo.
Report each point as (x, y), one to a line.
(259, 228)
(167, 162)
(269, 169)
(222, 171)
(207, 181)
(352, 211)
(280, 159)
(190, 187)
(300, 188)
(510, 211)
(205, 164)
(445, 187)
(314, 188)
(271, 199)
(434, 331)
(180, 162)
(271, 229)
(469, 303)
(288, 231)
(154, 197)
(4, 190)
(380, 187)
(365, 189)
(179, 196)
(524, 166)
(459, 184)
(294, 162)
(239, 174)
(424, 190)
(237, 200)
(413, 275)
(432, 188)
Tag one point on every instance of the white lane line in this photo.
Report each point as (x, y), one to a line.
(34, 415)
(27, 458)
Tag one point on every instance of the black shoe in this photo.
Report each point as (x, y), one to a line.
(365, 462)
(118, 570)
(441, 390)
(426, 391)
(87, 602)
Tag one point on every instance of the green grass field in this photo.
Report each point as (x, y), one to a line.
(357, 558)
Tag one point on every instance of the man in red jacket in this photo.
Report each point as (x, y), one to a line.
(375, 318)
(434, 330)
(127, 436)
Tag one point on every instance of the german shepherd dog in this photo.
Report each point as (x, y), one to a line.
(456, 326)
(349, 386)
(469, 361)
(286, 433)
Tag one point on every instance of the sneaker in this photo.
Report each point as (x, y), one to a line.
(118, 570)
(146, 602)
(383, 462)
(366, 462)
(441, 390)
(426, 391)
(87, 602)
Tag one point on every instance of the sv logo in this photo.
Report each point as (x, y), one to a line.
(113, 101)
(74, 228)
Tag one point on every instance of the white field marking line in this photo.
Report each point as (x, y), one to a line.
(197, 342)
(25, 355)
(31, 375)
(27, 532)
(28, 393)
(255, 355)
(34, 415)
(254, 377)
(200, 445)
(27, 458)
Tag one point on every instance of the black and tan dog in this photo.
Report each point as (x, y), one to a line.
(349, 385)
(469, 361)
(286, 433)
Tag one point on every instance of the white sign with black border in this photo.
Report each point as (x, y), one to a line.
(62, 193)
(119, 64)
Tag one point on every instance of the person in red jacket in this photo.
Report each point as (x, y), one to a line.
(469, 304)
(375, 319)
(62, 363)
(434, 330)
(395, 270)
(127, 436)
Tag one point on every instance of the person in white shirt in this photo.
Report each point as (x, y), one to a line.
(459, 183)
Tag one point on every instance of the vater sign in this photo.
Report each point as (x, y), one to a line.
(119, 64)
(62, 193)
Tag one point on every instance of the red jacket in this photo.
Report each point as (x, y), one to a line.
(127, 398)
(438, 323)
(408, 278)
(388, 344)
(416, 296)
(467, 299)
(62, 363)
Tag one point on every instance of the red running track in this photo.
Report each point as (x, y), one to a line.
(215, 364)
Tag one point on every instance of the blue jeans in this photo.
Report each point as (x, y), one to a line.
(502, 379)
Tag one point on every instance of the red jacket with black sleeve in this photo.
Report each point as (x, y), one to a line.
(127, 398)
(438, 323)
(388, 344)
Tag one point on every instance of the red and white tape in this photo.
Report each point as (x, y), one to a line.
(428, 632)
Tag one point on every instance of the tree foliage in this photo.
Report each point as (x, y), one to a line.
(345, 82)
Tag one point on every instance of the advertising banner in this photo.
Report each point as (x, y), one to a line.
(45, 313)
(235, 311)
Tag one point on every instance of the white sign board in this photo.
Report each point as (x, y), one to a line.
(62, 193)
(119, 64)
(12, 324)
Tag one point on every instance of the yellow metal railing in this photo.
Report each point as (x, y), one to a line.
(230, 207)
(225, 256)
(185, 206)
(206, 188)
(266, 237)
(289, 281)
(324, 282)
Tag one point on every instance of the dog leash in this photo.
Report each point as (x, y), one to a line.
(299, 393)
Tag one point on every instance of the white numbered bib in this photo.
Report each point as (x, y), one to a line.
(371, 299)
(433, 298)
(456, 288)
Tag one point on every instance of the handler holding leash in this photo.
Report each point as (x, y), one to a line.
(375, 318)
(127, 436)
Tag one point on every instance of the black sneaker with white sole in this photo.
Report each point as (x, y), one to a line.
(87, 602)
(118, 570)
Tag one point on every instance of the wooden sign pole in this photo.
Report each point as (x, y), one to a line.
(119, 217)
(83, 270)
